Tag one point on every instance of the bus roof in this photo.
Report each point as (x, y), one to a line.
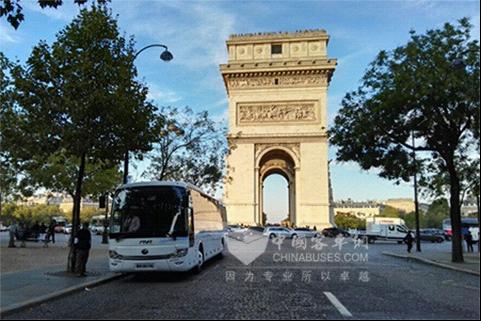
(158, 183)
(168, 183)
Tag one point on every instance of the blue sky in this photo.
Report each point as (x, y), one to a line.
(195, 31)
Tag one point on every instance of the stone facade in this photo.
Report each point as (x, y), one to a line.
(277, 89)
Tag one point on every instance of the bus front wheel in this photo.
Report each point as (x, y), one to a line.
(200, 261)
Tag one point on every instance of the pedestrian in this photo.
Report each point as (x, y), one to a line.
(36, 230)
(469, 241)
(13, 230)
(51, 232)
(82, 245)
(22, 233)
(409, 240)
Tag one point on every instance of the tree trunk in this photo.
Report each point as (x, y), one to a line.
(76, 214)
(479, 223)
(455, 213)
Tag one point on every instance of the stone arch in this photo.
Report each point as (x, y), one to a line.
(291, 149)
(277, 160)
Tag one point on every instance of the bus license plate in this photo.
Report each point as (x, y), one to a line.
(145, 266)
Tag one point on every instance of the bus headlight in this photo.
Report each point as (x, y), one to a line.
(180, 253)
(114, 255)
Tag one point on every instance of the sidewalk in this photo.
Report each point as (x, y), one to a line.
(443, 260)
(27, 288)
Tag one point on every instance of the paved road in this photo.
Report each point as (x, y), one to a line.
(381, 287)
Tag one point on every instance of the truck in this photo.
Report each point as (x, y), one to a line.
(384, 229)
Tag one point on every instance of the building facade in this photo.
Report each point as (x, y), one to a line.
(361, 210)
(277, 90)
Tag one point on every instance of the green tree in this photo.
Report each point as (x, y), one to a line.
(427, 89)
(58, 174)
(191, 148)
(349, 221)
(79, 98)
(41, 213)
(410, 219)
(389, 211)
(437, 212)
(13, 10)
(88, 212)
(10, 185)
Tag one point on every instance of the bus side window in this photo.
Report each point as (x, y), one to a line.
(190, 214)
(191, 227)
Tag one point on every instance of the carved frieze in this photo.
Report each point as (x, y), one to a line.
(284, 81)
(276, 112)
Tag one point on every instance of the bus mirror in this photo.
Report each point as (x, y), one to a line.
(102, 201)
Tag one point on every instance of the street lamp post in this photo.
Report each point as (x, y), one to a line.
(416, 203)
(105, 235)
(166, 56)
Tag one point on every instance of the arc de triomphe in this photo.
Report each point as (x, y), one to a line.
(277, 89)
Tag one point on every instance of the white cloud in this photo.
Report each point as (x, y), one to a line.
(194, 31)
(162, 96)
(65, 12)
(8, 34)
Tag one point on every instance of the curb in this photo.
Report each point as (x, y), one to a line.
(45, 298)
(430, 262)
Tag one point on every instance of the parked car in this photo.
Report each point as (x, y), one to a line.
(334, 232)
(275, 231)
(257, 229)
(306, 232)
(67, 229)
(236, 229)
(97, 229)
(432, 235)
(60, 223)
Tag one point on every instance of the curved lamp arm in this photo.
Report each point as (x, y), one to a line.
(166, 55)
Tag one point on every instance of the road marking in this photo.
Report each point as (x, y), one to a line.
(341, 308)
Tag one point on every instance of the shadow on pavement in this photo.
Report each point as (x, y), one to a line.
(169, 277)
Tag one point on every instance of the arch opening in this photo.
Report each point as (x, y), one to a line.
(276, 179)
(276, 199)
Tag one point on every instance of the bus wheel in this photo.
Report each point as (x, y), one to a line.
(200, 261)
(223, 249)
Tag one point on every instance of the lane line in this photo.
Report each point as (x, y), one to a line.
(341, 308)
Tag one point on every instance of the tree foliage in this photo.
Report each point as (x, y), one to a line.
(427, 89)
(349, 221)
(13, 10)
(58, 174)
(77, 101)
(191, 148)
(41, 213)
(389, 211)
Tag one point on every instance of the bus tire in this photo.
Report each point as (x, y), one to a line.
(223, 249)
(200, 260)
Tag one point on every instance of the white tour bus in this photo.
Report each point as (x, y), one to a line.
(164, 226)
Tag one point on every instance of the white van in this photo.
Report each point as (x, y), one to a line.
(385, 228)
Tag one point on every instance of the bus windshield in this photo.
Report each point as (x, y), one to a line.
(149, 211)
